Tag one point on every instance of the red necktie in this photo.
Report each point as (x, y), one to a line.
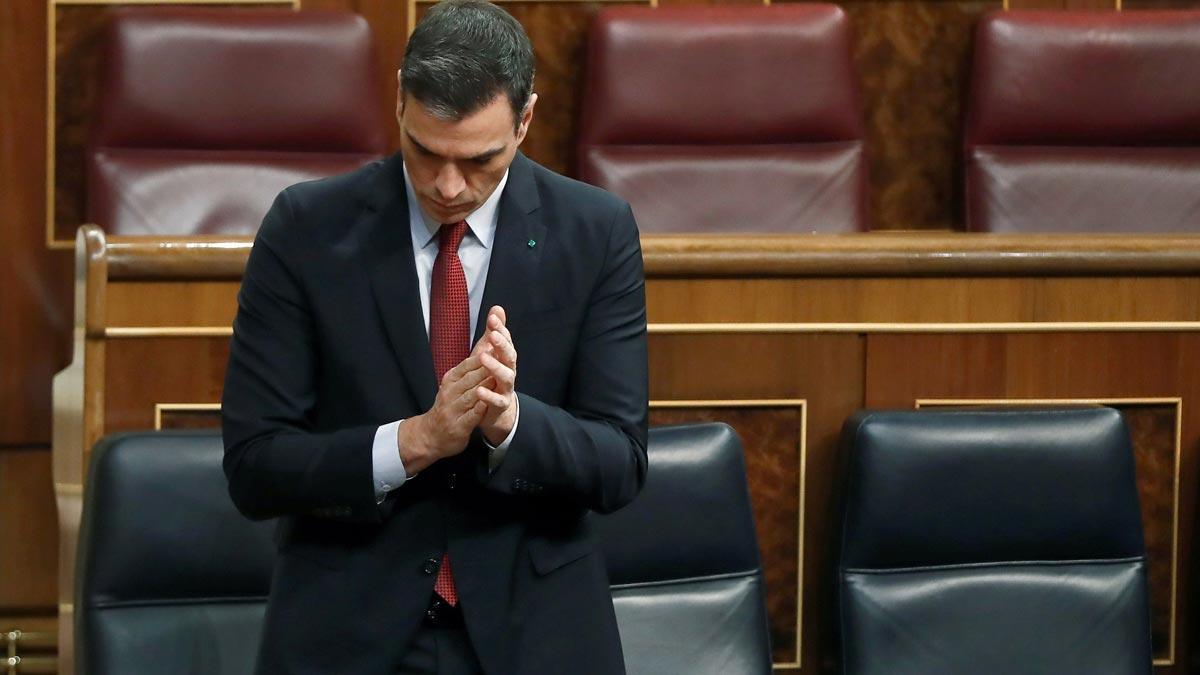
(449, 339)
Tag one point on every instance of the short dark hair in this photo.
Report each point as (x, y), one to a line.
(462, 54)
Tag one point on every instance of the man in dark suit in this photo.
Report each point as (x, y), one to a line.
(431, 495)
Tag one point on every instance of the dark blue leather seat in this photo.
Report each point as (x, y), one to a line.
(172, 579)
(683, 561)
(992, 543)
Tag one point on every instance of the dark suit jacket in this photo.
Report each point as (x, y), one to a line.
(329, 342)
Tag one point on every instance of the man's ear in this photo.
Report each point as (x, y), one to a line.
(399, 94)
(526, 118)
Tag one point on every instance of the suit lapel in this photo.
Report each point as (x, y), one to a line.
(517, 248)
(393, 276)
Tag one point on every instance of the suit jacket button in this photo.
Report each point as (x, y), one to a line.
(430, 566)
(452, 479)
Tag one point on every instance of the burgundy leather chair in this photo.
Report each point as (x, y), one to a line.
(1085, 122)
(726, 119)
(204, 115)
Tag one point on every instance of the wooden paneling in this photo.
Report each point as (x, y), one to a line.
(186, 370)
(143, 303)
(890, 299)
(912, 60)
(28, 557)
(34, 327)
(34, 283)
(78, 33)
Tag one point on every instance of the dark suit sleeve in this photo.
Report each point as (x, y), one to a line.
(592, 450)
(275, 462)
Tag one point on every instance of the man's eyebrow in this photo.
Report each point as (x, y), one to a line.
(484, 156)
(481, 157)
(417, 143)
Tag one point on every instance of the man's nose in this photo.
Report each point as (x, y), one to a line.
(450, 182)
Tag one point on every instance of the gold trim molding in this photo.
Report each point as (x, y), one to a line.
(167, 331)
(1172, 401)
(160, 408)
(801, 405)
(931, 327)
(731, 328)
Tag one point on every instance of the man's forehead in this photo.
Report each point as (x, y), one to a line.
(477, 134)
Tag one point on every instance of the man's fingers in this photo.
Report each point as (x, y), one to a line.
(504, 350)
(491, 398)
(481, 345)
(466, 365)
(467, 398)
(498, 312)
(496, 321)
(505, 376)
(454, 388)
(472, 415)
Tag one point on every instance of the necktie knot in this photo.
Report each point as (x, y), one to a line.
(450, 235)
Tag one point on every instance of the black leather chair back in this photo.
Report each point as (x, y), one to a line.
(992, 543)
(172, 579)
(683, 560)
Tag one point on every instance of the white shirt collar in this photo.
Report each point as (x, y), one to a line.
(481, 222)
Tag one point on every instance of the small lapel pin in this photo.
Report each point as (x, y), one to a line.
(531, 243)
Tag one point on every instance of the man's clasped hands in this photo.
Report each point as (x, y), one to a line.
(478, 392)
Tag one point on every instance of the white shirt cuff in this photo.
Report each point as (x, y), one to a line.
(387, 469)
(496, 454)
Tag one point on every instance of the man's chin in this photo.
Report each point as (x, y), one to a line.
(444, 215)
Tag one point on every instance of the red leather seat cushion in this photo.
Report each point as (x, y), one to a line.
(1085, 122)
(206, 114)
(726, 118)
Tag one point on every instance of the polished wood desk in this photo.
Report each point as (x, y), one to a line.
(783, 337)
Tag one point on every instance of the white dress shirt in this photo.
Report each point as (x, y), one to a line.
(475, 252)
